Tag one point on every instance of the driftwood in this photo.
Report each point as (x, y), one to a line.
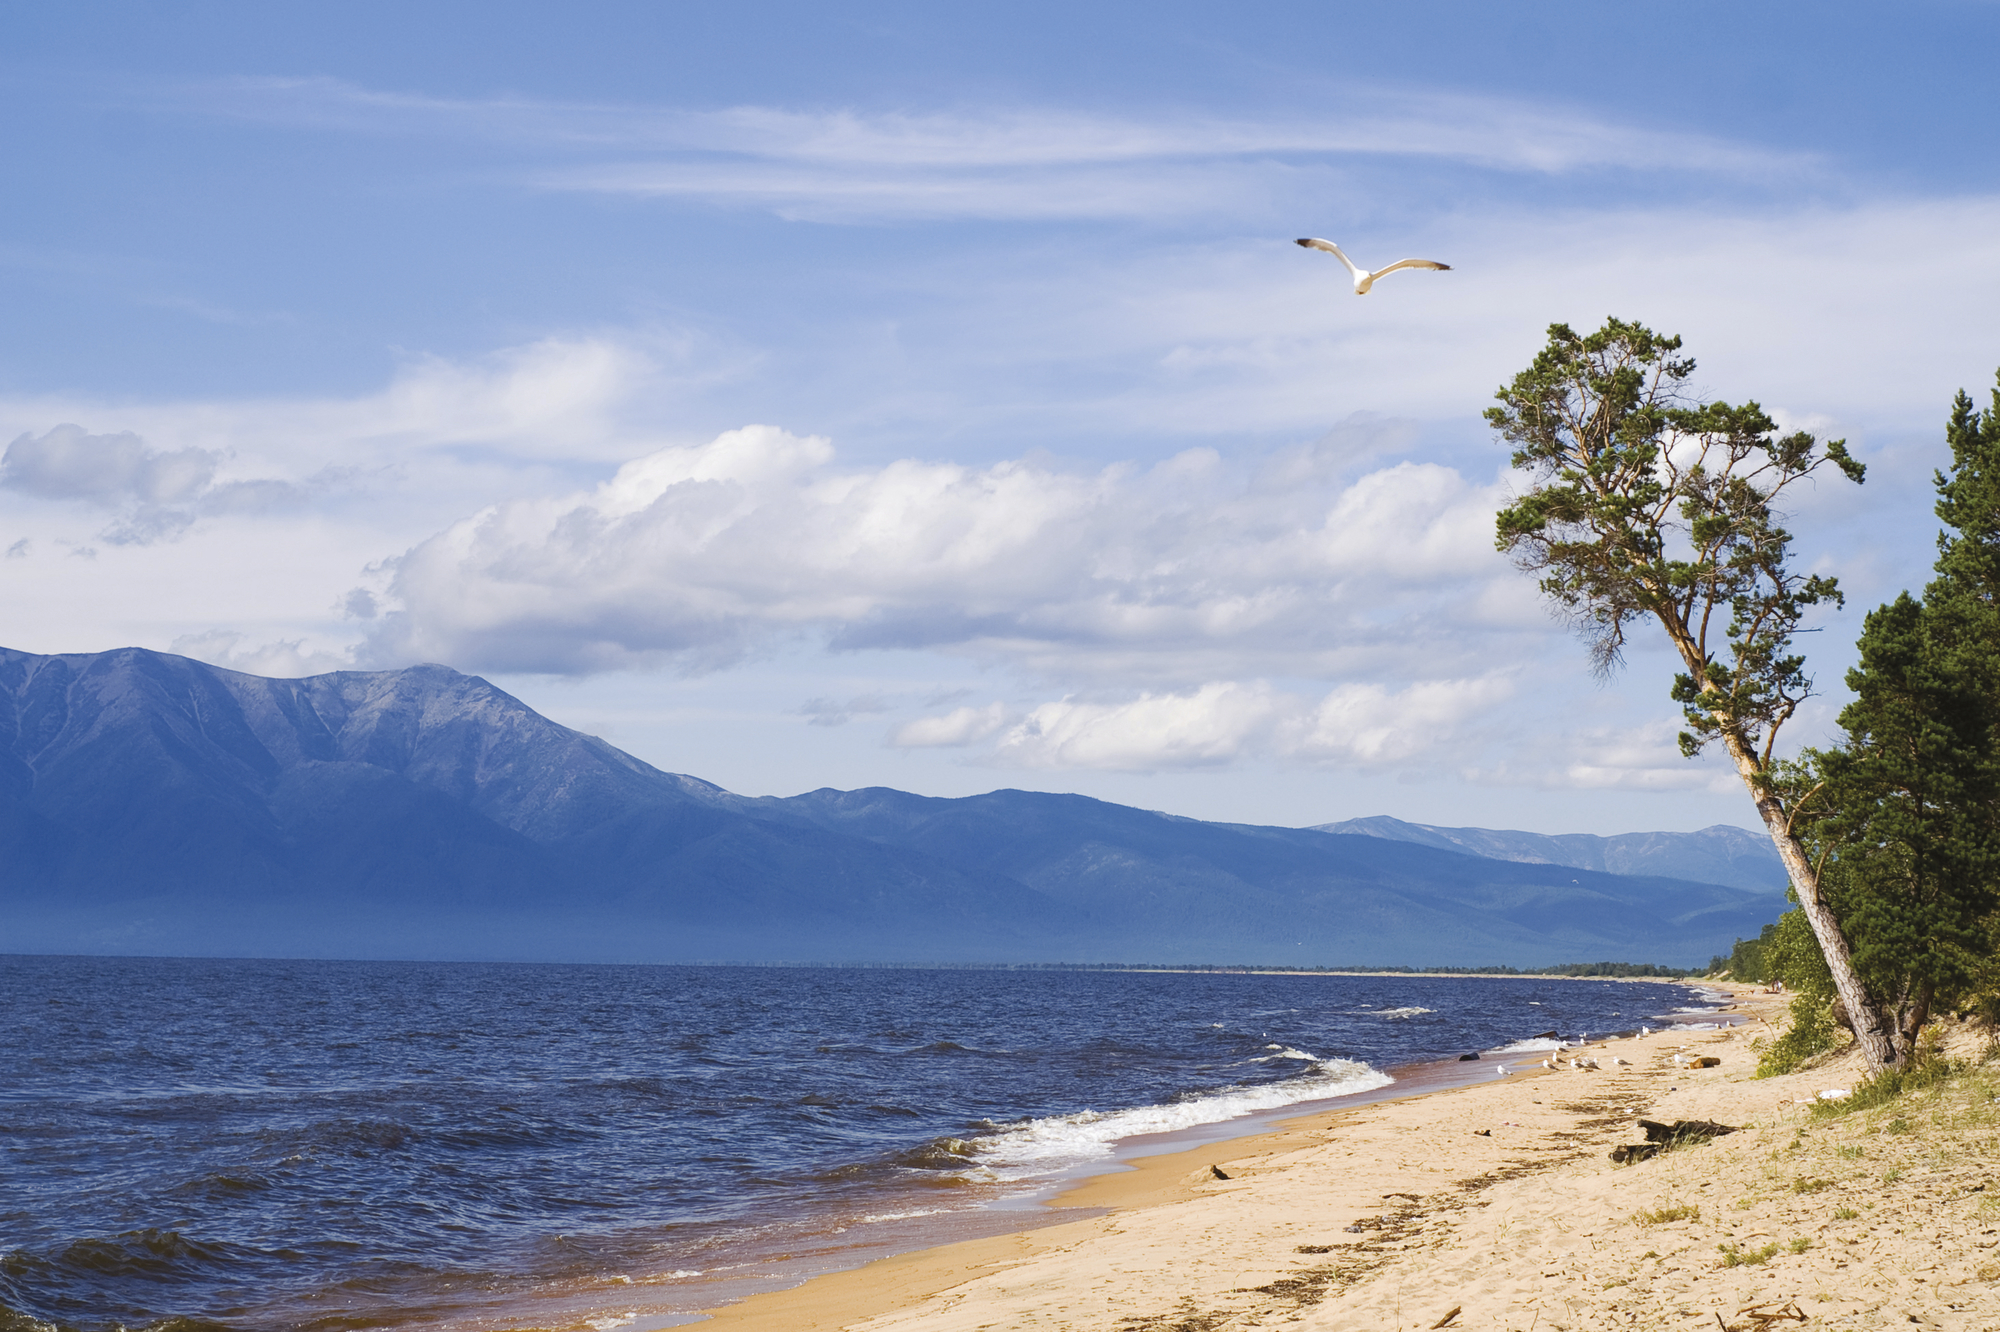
(1659, 1137)
(1684, 1130)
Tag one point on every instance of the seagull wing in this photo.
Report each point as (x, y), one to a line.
(1413, 263)
(1315, 243)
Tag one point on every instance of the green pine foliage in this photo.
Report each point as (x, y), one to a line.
(1904, 815)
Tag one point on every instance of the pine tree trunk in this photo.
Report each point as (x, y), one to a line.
(1872, 1026)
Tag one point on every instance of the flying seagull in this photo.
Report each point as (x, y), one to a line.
(1363, 279)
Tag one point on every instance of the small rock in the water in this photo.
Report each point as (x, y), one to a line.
(1218, 1172)
(1463, 1058)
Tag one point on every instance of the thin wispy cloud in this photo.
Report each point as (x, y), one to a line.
(845, 164)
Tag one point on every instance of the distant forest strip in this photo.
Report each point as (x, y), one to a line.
(1616, 970)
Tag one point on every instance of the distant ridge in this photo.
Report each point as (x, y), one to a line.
(154, 804)
(1718, 854)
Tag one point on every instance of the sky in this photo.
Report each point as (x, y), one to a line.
(931, 396)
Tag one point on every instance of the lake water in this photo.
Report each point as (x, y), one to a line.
(325, 1145)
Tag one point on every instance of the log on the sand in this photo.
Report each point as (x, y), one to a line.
(1659, 1137)
(1684, 1130)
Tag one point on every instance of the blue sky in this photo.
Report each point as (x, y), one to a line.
(931, 396)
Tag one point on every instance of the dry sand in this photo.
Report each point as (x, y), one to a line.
(1496, 1207)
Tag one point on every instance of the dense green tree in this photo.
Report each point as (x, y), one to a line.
(1749, 960)
(1645, 503)
(1904, 817)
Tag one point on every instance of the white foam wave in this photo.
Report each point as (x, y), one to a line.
(606, 1324)
(1533, 1043)
(1043, 1145)
(1394, 1013)
(904, 1216)
(1286, 1052)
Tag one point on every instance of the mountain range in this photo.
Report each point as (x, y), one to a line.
(1720, 854)
(151, 803)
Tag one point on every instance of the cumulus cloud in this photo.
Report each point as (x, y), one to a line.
(285, 658)
(952, 730)
(1359, 725)
(703, 556)
(157, 493)
(68, 463)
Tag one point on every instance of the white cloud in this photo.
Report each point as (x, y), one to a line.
(1365, 726)
(703, 556)
(555, 401)
(69, 463)
(157, 494)
(953, 730)
(286, 658)
(1007, 162)
(1642, 756)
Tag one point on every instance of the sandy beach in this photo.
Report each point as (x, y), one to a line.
(1497, 1206)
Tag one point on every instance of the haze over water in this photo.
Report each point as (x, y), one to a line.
(319, 1144)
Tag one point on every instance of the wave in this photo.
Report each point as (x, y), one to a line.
(1396, 1014)
(1533, 1043)
(1043, 1145)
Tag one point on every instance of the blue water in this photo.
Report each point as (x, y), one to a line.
(189, 1143)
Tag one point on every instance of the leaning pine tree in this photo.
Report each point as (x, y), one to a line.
(1645, 504)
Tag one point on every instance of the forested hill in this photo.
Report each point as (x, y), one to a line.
(1721, 854)
(153, 804)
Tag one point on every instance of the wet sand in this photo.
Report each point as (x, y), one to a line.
(1496, 1200)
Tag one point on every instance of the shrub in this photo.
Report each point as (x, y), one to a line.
(1735, 1257)
(1811, 1031)
(1928, 1067)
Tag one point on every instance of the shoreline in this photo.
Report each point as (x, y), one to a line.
(1178, 1174)
(1496, 1206)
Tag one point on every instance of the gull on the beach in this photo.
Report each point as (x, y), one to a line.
(1363, 279)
